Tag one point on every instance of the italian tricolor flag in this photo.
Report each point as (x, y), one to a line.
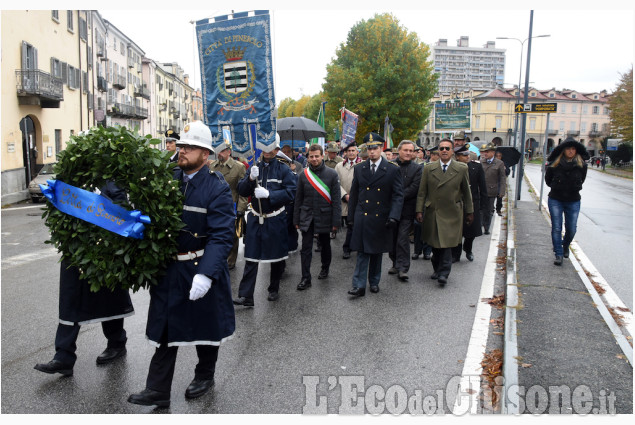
(318, 184)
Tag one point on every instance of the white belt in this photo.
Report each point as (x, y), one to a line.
(271, 214)
(190, 255)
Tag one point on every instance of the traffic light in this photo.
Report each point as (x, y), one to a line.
(494, 130)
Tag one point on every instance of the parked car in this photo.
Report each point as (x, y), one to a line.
(46, 173)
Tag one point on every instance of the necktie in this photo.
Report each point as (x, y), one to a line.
(445, 166)
(372, 168)
(186, 178)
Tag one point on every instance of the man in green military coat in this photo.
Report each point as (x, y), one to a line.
(332, 149)
(233, 171)
(444, 195)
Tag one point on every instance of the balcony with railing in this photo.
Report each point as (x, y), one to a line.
(119, 81)
(573, 133)
(552, 131)
(142, 91)
(594, 133)
(122, 110)
(35, 87)
(141, 112)
(102, 84)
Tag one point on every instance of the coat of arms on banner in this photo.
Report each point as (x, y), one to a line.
(236, 80)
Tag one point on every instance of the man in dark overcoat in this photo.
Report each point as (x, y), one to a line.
(411, 176)
(495, 179)
(374, 209)
(479, 200)
(317, 211)
(78, 306)
(272, 186)
(444, 199)
(192, 304)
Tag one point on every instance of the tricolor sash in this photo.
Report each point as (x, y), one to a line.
(95, 209)
(318, 184)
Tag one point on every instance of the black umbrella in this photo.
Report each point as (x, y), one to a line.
(299, 128)
(511, 156)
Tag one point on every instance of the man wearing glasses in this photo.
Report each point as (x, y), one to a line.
(444, 195)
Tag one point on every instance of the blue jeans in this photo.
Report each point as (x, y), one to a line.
(571, 210)
(368, 267)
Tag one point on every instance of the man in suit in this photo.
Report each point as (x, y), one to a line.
(374, 209)
(443, 199)
(317, 211)
(411, 176)
(495, 180)
(171, 137)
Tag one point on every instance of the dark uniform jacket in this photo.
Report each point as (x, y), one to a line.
(208, 214)
(77, 304)
(479, 198)
(443, 199)
(268, 242)
(373, 199)
(495, 177)
(311, 206)
(411, 176)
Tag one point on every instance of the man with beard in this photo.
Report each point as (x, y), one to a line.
(411, 176)
(192, 305)
(317, 211)
(444, 198)
(272, 186)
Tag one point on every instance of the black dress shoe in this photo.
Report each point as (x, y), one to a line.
(324, 273)
(55, 366)
(244, 301)
(435, 275)
(486, 232)
(304, 283)
(198, 387)
(469, 256)
(150, 398)
(110, 354)
(558, 260)
(393, 270)
(346, 255)
(358, 292)
(427, 256)
(565, 251)
(415, 256)
(443, 280)
(273, 296)
(374, 289)
(456, 260)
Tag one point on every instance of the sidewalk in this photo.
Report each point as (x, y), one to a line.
(562, 338)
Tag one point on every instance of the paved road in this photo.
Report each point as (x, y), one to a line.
(414, 335)
(605, 226)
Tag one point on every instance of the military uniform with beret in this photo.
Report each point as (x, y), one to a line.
(332, 147)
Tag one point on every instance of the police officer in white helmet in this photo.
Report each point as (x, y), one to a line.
(192, 304)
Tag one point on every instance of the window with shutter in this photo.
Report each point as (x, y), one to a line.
(55, 14)
(64, 67)
(84, 82)
(69, 20)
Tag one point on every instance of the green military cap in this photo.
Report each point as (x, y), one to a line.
(459, 135)
(332, 147)
(487, 147)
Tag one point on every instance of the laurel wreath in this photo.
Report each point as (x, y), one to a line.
(106, 259)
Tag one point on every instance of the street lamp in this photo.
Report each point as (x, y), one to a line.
(522, 46)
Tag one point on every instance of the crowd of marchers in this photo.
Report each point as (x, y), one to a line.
(380, 200)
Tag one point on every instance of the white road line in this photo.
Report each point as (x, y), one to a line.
(19, 260)
(609, 299)
(470, 384)
(24, 208)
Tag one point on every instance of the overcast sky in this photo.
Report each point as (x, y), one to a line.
(586, 50)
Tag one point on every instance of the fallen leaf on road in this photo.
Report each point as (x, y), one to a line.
(526, 365)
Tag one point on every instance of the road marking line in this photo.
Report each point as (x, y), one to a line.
(24, 208)
(19, 260)
(470, 385)
(609, 299)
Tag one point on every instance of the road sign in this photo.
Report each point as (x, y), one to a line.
(536, 108)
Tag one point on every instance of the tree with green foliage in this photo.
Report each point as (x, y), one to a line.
(621, 108)
(382, 69)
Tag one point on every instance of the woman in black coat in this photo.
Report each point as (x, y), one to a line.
(566, 171)
(479, 200)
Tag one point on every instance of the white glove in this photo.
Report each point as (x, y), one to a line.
(261, 192)
(200, 286)
(254, 172)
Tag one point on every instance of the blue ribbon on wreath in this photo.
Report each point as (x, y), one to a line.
(95, 209)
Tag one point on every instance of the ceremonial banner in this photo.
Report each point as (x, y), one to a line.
(320, 121)
(452, 116)
(349, 128)
(388, 128)
(237, 78)
(95, 209)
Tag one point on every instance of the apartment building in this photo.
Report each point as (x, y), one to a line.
(64, 71)
(462, 67)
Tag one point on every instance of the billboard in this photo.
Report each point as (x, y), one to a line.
(452, 116)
